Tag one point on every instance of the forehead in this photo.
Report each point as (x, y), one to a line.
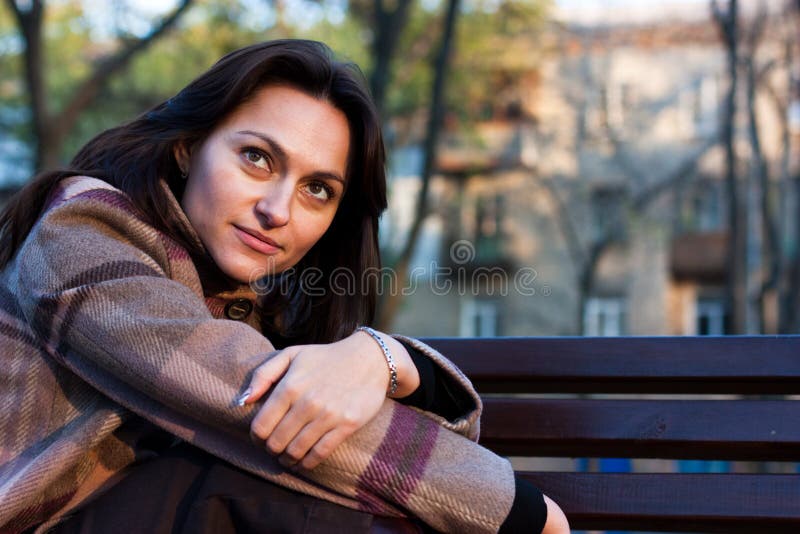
(303, 125)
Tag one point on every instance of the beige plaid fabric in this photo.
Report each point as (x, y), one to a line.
(108, 334)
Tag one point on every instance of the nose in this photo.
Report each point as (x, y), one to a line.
(274, 206)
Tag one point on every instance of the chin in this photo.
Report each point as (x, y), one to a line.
(241, 273)
(253, 272)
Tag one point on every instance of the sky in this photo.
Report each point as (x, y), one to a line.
(582, 11)
(160, 6)
(586, 11)
(577, 10)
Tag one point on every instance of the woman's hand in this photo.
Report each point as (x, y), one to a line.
(324, 393)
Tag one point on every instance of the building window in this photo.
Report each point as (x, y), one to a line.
(698, 107)
(620, 102)
(608, 203)
(708, 212)
(710, 317)
(478, 318)
(488, 235)
(706, 106)
(604, 316)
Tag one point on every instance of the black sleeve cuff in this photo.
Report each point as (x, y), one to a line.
(528, 512)
(437, 392)
(423, 396)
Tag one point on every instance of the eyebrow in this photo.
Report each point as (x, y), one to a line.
(280, 153)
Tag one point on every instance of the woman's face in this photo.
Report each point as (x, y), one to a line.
(264, 186)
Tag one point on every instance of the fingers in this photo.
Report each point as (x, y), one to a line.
(305, 432)
(303, 442)
(265, 376)
(325, 446)
(308, 450)
(274, 410)
(314, 396)
(288, 429)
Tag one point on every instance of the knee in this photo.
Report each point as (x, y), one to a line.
(556, 520)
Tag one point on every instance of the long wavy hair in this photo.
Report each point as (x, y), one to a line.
(136, 156)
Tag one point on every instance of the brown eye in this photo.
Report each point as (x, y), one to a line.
(320, 190)
(257, 158)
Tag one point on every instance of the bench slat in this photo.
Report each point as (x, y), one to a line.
(675, 502)
(643, 428)
(725, 429)
(754, 365)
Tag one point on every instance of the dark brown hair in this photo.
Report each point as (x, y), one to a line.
(135, 156)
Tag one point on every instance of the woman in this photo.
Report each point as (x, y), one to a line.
(141, 386)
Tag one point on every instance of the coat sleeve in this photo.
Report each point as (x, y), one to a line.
(465, 400)
(94, 283)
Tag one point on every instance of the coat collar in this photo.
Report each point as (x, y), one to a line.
(222, 293)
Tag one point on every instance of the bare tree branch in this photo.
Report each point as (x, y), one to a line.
(577, 249)
(621, 156)
(753, 37)
(648, 195)
(88, 90)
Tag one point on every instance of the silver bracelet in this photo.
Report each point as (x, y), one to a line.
(386, 354)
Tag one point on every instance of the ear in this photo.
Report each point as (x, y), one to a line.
(182, 154)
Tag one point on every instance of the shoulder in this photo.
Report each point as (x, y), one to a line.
(76, 185)
(91, 191)
(85, 216)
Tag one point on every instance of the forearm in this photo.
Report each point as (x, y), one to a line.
(409, 459)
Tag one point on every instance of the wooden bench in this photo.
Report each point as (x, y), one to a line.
(756, 420)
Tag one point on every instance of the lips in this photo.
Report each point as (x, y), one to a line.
(256, 241)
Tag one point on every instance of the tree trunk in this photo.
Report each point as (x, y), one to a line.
(30, 22)
(390, 303)
(736, 291)
(770, 250)
(786, 189)
(791, 298)
(389, 26)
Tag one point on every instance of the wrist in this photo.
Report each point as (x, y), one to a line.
(407, 375)
(403, 378)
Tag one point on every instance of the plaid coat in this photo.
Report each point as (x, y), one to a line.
(109, 337)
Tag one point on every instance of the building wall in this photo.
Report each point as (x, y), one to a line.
(659, 89)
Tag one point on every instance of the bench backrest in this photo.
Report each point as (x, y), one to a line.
(724, 398)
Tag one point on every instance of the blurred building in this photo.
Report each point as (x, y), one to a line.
(591, 200)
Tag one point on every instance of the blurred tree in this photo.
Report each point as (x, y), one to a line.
(727, 20)
(789, 226)
(483, 48)
(775, 278)
(51, 124)
(387, 19)
(390, 301)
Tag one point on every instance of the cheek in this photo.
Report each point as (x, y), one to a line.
(210, 196)
(190, 202)
(205, 208)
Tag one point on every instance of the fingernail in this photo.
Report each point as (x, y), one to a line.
(243, 397)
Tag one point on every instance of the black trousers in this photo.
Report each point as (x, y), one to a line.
(189, 491)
